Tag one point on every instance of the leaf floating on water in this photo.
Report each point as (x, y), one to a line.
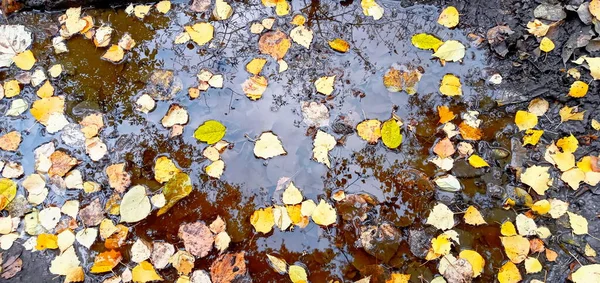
(200, 33)
(390, 133)
(268, 145)
(279, 265)
(24, 60)
(178, 187)
(163, 6)
(451, 86)
(450, 50)
(222, 10)
(215, 169)
(426, 41)
(474, 217)
(255, 86)
(339, 45)
(274, 43)
(477, 162)
(210, 132)
(135, 205)
(263, 220)
(448, 17)
(369, 130)
(298, 273)
(145, 272)
(400, 77)
(322, 144)
(371, 9)
(587, 273)
(324, 85)
(302, 35)
(516, 247)
(106, 261)
(509, 273)
(475, 259)
(114, 54)
(441, 217)
(14, 39)
(324, 214)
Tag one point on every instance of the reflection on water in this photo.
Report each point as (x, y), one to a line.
(398, 181)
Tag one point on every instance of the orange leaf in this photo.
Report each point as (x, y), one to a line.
(445, 114)
(106, 261)
(469, 133)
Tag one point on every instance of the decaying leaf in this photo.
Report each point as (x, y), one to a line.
(324, 85)
(178, 187)
(197, 238)
(369, 130)
(268, 145)
(441, 217)
(402, 77)
(448, 17)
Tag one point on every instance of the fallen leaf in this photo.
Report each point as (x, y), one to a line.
(444, 148)
(578, 223)
(537, 177)
(324, 214)
(402, 77)
(201, 33)
(106, 261)
(135, 205)
(426, 41)
(324, 85)
(64, 263)
(92, 214)
(163, 6)
(118, 178)
(15, 39)
(448, 17)
(450, 50)
(140, 251)
(390, 133)
(525, 120)
(230, 267)
(86, 237)
(532, 265)
(274, 43)
(178, 187)
(537, 28)
(114, 54)
(532, 137)
(445, 114)
(322, 144)
(263, 220)
(161, 252)
(210, 132)
(215, 169)
(546, 44)
(10, 141)
(268, 145)
(46, 241)
(578, 89)
(298, 273)
(538, 106)
(256, 65)
(302, 35)
(12, 88)
(441, 217)
(176, 115)
(477, 162)
(144, 272)
(591, 272)
(24, 60)
(509, 273)
(339, 45)
(566, 114)
(222, 10)
(369, 130)
(475, 259)
(372, 9)
(474, 217)
(279, 265)
(516, 247)
(197, 238)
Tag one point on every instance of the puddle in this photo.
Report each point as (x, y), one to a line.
(397, 179)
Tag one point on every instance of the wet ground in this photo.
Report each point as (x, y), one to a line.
(398, 180)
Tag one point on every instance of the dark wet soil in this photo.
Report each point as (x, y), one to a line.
(398, 180)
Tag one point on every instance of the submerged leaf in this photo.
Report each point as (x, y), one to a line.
(174, 190)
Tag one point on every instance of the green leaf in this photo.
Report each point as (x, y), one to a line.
(390, 133)
(425, 41)
(8, 191)
(174, 190)
(210, 132)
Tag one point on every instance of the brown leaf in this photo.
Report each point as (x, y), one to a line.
(200, 5)
(229, 268)
(274, 43)
(10, 141)
(536, 245)
(197, 238)
(92, 214)
(118, 238)
(62, 163)
(444, 148)
(11, 267)
(117, 177)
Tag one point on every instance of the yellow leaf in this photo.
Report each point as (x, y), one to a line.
(477, 162)
(563, 160)
(298, 20)
(8, 191)
(24, 60)
(144, 272)
(450, 50)
(532, 265)
(282, 8)
(324, 85)
(441, 245)
(538, 106)
(176, 188)
(585, 164)
(322, 144)
(201, 33)
(589, 251)
(537, 177)
(46, 90)
(369, 130)
(256, 65)
(222, 10)
(75, 274)
(11, 88)
(541, 207)
(516, 247)
(263, 220)
(525, 120)
(508, 229)
(445, 114)
(475, 259)
(532, 136)
(537, 28)
(473, 216)
(114, 54)
(215, 169)
(595, 11)
(371, 9)
(594, 64)
(595, 125)
(324, 214)
(106, 261)
(546, 44)
(426, 41)
(164, 169)
(448, 17)
(578, 223)
(46, 241)
(163, 6)
(509, 273)
(297, 274)
(578, 89)
(399, 278)
(469, 133)
(451, 85)
(268, 145)
(568, 144)
(339, 45)
(566, 114)
(292, 195)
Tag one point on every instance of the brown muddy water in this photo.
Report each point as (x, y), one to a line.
(399, 180)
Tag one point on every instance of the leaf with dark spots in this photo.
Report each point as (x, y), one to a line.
(197, 238)
(230, 268)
